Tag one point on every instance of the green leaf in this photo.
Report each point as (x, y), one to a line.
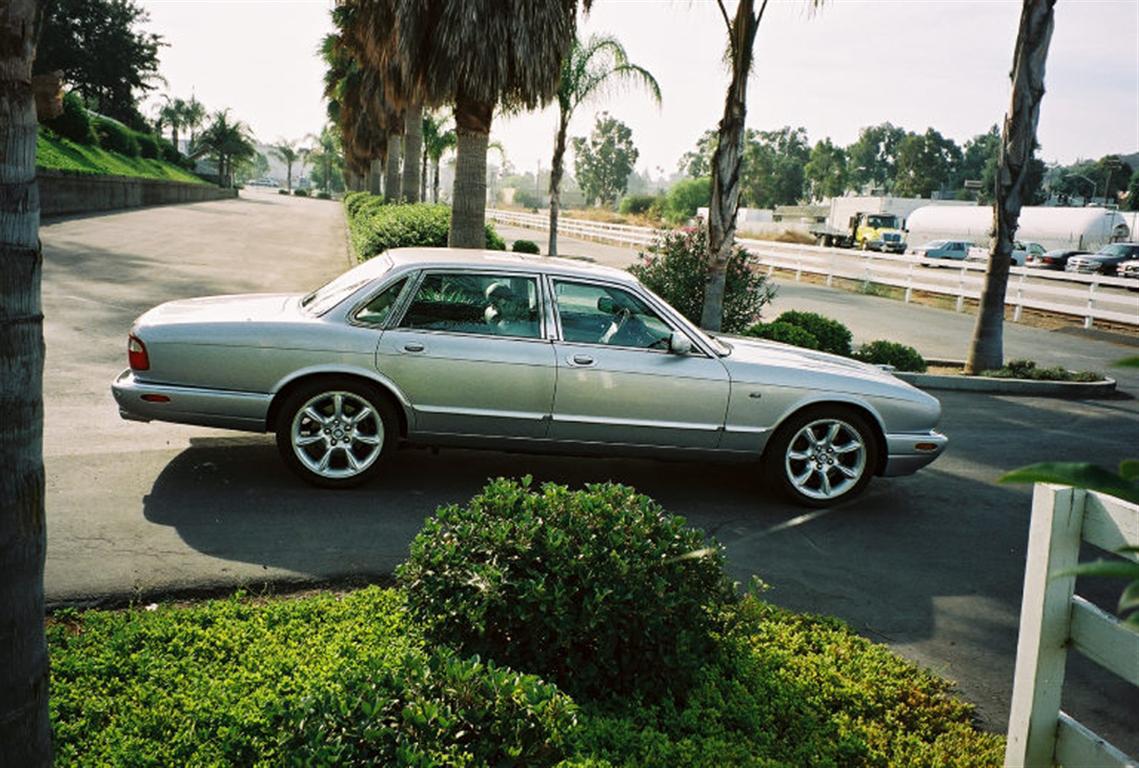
(1127, 362)
(1079, 475)
(1117, 569)
(1130, 597)
(1129, 469)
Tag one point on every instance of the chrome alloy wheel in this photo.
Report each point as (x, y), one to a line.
(337, 435)
(825, 459)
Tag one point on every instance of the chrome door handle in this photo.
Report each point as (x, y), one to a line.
(583, 361)
(413, 346)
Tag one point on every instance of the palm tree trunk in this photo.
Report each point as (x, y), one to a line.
(391, 178)
(468, 199)
(375, 173)
(289, 176)
(726, 165)
(25, 731)
(1018, 142)
(174, 135)
(435, 180)
(557, 167)
(412, 146)
(423, 175)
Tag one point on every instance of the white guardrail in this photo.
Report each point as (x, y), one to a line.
(1092, 297)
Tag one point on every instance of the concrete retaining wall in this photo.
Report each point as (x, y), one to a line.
(63, 193)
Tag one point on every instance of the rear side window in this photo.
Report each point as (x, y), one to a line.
(487, 304)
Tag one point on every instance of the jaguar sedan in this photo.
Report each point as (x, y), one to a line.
(442, 347)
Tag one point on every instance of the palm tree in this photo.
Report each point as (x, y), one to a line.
(475, 55)
(229, 142)
(193, 117)
(173, 113)
(437, 139)
(1018, 142)
(325, 150)
(591, 69)
(287, 153)
(25, 731)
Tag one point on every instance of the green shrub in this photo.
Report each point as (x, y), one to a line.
(1026, 369)
(167, 152)
(599, 590)
(685, 197)
(528, 198)
(148, 146)
(322, 195)
(300, 192)
(676, 268)
(833, 336)
(375, 227)
(525, 246)
(785, 333)
(638, 204)
(116, 137)
(74, 122)
(901, 357)
(354, 201)
(434, 711)
(282, 191)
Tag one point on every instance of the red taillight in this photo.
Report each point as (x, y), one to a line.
(136, 353)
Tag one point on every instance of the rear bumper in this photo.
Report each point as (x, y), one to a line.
(903, 455)
(189, 405)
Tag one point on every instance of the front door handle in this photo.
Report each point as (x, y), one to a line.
(413, 346)
(582, 361)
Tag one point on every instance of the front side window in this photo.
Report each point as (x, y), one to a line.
(376, 311)
(459, 302)
(601, 314)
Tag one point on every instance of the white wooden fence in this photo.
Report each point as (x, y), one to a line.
(1053, 618)
(1092, 297)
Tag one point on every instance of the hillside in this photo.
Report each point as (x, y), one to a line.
(58, 154)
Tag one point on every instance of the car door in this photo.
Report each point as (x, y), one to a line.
(470, 354)
(618, 383)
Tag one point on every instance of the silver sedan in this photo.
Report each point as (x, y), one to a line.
(444, 347)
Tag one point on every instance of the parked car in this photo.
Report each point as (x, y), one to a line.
(1105, 261)
(1055, 260)
(445, 347)
(957, 250)
(1130, 270)
(1018, 257)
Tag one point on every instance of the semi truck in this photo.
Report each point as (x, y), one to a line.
(870, 223)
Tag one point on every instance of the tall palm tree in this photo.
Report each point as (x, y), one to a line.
(1018, 142)
(228, 142)
(193, 117)
(173, 113)
(477, 55)
(726, 159)
(438, 137)
(325, 150)
(287, 153)
(592, 69)
(25, 731)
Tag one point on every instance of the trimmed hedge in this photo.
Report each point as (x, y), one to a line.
(785, 333)
(375, 227)
(833, 336)
(599, 590)
(525, 246)
(900, 356)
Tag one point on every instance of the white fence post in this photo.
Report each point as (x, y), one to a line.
(1090, 316)
(961, 290)
(1019, 298)
(909, 283)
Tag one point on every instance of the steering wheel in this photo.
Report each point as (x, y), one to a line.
(615, 327)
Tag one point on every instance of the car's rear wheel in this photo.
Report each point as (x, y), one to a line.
(822, 456)
(335, 433)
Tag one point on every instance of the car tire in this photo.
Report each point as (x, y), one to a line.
(822, 456)
(336, 432)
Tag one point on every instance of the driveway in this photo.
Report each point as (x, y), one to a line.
(931, 564)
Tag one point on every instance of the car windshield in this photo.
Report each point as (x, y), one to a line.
(933, 245)
(882, 221)
(335, 291)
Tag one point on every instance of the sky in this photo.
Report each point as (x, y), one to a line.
(852, 63)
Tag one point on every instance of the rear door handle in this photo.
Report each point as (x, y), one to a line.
(413, 346)
(582, 361)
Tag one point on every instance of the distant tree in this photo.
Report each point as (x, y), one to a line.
(978, 157)
(773, 167)
(287, 153)
(594, 68)
(103, 53)
(1131, 202)
(603, 162)
(685, 197)
(253, 166)
(193, 116)
(326, 158)
(438, 137)
(826, 170)
(172, 114)
(872, 158)
(697, 163)
(926, 163)
(229, 143)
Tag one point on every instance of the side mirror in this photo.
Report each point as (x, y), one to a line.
(679, 343)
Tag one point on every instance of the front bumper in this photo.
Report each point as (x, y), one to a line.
(904, 456)
(143, 401)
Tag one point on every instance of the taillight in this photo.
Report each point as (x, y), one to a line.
(136, 353)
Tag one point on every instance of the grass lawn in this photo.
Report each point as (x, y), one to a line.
(59, 154)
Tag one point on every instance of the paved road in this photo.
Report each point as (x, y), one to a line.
(931, 564)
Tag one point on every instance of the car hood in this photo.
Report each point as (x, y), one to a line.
(222, 309)
(751, 351)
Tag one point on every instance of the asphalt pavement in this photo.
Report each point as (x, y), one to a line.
(931, 564)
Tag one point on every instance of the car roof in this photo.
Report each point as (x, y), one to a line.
(468, 258)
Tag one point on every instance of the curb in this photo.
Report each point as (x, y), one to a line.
(1075, 390)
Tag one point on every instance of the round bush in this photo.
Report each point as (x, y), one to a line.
(676, 268)
(686, 197)
(525, 246)
(901, 357)
(167, 151)
(833, 336)
(116, 137)
(148, 146)
(300, 192)
(322, 195)
(74, 123)
(598, 590)
(494, 241)
(785, 333)
(637, 204)
(282, 191)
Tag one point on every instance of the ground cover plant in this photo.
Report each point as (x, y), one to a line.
(58, 154)
(375, 226)
(387, 677)
(1027, 369)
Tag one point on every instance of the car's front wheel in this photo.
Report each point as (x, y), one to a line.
(335, 433)
(822, 456)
